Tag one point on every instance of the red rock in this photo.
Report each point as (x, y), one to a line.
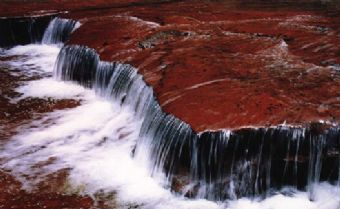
(12, 196)
(230, 67)
(25, 110)
(217, 65)
(212, 64)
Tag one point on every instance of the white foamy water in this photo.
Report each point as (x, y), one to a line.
(327, 197)
(50, 88)
(95, 141)
(33, 58)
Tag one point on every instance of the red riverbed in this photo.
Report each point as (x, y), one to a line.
(212, 64)
(218, 65)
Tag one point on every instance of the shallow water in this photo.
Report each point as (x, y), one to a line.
(95, 141)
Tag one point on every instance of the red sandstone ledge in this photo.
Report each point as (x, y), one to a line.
(217, 65)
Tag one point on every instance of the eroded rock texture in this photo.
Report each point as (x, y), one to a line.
(221, 65)
(215, 65)
(218, 67)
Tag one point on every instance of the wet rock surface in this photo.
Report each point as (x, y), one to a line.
(13, 196)
(51, 192)
(213, 65)
(15, 113)
(219, 65)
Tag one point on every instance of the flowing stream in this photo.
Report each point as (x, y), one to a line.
(119, 141)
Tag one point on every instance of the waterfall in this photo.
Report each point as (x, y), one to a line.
(59, 30)
(214, 165)
(121, 82)
(316, 145)
(77, 64)
(23, 30)
(47, 29)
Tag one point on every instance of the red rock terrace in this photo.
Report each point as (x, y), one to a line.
(216, 65)
(221, 78)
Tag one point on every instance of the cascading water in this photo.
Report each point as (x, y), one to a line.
(122, 83)
(118, 147)
(46, 29)
(59, 30)
(23, 30)
(218, 165)
(255, 161)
